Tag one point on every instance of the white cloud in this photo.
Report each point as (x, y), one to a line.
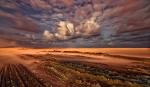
(65, 30)
(48, 35)
(88, 27)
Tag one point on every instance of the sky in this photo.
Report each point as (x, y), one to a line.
(75, 23)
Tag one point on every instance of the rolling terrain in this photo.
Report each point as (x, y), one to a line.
(75, 67)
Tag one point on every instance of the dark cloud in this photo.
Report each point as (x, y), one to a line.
(76, 23)
(7, 43)
(20, 22)
(23, 23)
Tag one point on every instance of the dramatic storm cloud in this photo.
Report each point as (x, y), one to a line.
(75, 23)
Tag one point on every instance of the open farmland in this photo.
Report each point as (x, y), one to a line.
(18, 76)
(23, 67)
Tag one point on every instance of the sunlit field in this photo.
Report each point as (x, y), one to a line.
(74, 43)
(75, 67)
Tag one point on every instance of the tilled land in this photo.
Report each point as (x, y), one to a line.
(17, 75)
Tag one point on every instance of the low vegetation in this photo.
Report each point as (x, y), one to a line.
(80, 75)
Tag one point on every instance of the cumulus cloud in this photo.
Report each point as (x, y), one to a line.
(64, 31)
(88, 28)
(48, 35)
(69, 20)
(30, 36)
(67, 30)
